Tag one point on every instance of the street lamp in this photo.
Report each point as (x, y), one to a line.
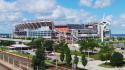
(73, 34)
(55, 56)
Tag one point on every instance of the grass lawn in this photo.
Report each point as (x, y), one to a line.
(48, 62)
(22, 54)
(106, 65)
(81, 69)
(94, 56)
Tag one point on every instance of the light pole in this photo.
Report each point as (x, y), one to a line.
(55, 56)
(28, 63)
(73, 34)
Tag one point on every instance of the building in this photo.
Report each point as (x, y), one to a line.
(67, 32)
(35, 29)
(5, 35)
(72, 32)
(79, 31)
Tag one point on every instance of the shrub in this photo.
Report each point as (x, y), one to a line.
(116, 59)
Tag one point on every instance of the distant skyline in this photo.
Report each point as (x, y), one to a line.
(12, 12)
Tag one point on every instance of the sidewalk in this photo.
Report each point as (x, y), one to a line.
(94, 65)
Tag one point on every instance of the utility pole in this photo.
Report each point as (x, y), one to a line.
(56, 57)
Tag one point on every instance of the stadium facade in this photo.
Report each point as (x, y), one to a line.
(34, 29)
(47, 29)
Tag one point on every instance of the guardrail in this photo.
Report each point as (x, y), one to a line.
(16, 61)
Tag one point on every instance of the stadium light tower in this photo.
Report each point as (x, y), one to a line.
(103, 25)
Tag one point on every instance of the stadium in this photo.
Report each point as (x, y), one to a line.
(49, 30)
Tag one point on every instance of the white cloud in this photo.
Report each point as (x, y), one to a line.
(9, 17)
(86, 2)
(40, 8)
(96, 3)
(123, 25)
(102, 3)
(36, 6)
(122, 16)
(58, 12)
(5, 6)
(119, 21)
(71, 15)
(108, 19)
(9, 10)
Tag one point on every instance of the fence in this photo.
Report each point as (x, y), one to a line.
(21, 63)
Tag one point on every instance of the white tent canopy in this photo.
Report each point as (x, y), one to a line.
(18, 46)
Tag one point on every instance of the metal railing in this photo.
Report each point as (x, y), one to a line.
(15, 61)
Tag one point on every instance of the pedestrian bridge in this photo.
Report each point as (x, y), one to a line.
(16, 40)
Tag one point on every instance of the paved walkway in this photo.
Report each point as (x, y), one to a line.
(94, 65)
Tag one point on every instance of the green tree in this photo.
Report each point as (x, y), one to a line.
(83, 45)
(67, 54)
(61, 49)
(6, 43)
(116, 59)
(104, 56)
(62, 56)
(105, 52)
(36, 42)
(68, 59)
(65, 51)
(76, 60)
(38, 61)
(48, 44)
(84, 60)
(92, 44)
(88, 44)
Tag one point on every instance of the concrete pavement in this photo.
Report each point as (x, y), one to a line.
(94, 65)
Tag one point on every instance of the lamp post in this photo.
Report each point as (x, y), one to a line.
(73, 34)
(28, 63)
(55, 56)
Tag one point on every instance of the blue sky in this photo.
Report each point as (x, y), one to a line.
(13, 12)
